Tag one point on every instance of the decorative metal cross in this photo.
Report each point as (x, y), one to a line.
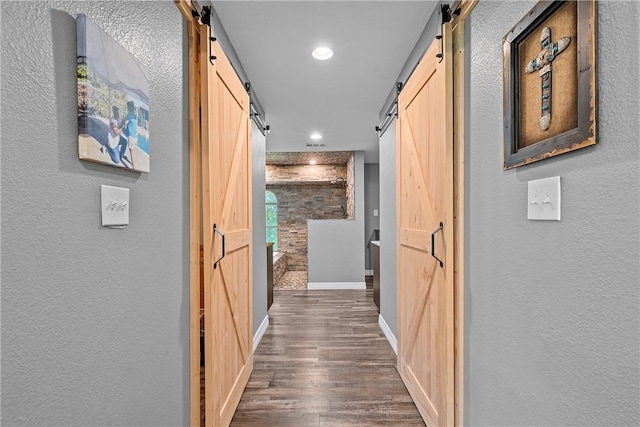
(542, 63)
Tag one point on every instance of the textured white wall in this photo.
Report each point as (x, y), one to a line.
(95, 327)
(388, 230)
(259, 187)
(371, 202)
(552, 308)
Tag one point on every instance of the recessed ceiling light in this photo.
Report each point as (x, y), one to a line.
(316, 136)
(313, 162)
(322, 53)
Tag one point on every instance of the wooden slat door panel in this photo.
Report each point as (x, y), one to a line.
(226, 186)
(425, 199)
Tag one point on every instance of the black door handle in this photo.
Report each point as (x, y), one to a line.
(217, 230)
(433, 244)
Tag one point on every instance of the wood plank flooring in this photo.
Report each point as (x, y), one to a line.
(324, 361)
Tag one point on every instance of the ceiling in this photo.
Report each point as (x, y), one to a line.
(340, 98)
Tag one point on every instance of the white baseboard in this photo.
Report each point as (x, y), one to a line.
(260, 332)
(387, 333)
(368, 272)
(336, 285)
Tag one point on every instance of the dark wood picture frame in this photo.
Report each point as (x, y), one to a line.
(583, 134)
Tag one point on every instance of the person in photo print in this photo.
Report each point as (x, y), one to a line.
(116, 142)
(131, 125)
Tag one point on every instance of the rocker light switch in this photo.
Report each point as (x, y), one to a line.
(115, 206)
(543, 199)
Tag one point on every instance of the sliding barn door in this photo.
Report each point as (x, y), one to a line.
(226, 191)
(425, 235)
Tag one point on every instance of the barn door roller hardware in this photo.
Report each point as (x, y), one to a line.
(256, 112)
(206, 17)
(391, 113)
(447, 13)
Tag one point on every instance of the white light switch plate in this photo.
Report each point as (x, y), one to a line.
(115, 205)
(543, 199)
(375, 212)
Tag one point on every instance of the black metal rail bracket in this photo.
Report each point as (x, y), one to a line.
(447, 14)
(206, 19)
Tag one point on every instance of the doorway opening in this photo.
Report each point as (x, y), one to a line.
(303, 186)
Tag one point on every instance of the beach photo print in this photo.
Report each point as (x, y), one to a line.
(113, 101)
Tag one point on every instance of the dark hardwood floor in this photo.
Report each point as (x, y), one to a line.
(324, 361)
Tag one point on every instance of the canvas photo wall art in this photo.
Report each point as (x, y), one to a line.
(113, 101)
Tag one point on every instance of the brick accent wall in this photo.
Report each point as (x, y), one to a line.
(304, 157)
(298, 202)
(351, 190)
(279, 267)
(327, 173)
(308, 192)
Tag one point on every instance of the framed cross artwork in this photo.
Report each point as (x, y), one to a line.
(549, 91)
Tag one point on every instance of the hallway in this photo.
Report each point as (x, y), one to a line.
(324, 361)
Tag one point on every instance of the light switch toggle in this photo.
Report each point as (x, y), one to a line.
(547, 190)
(114, 206)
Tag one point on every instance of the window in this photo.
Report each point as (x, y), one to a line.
(272, 219)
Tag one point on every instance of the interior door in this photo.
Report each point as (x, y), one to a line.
(424, 141)
(226, 191)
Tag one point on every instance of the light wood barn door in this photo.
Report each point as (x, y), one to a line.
(425, 231)
(226, 186)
